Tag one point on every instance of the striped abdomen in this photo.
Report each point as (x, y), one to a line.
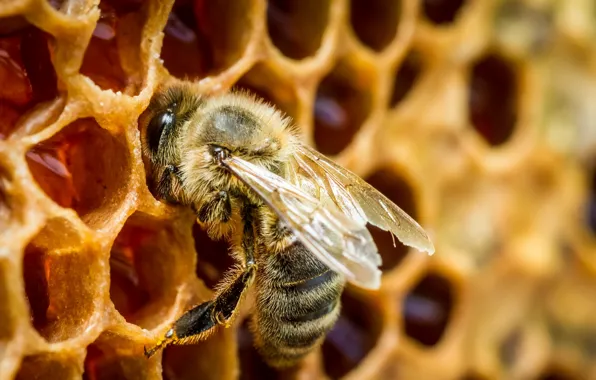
(297, 303)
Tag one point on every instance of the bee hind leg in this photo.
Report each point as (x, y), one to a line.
(200, 321)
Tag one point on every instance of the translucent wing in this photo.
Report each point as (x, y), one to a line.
(356, 198)
(341, 243)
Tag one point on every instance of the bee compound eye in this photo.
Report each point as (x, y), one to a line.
(160, 123)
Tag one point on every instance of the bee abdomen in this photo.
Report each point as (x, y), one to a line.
(297, 304)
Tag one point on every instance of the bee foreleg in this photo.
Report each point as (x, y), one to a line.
(218, 208)
(168, 185)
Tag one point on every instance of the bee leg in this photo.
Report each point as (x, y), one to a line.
(216, 209)
(168, 182)
(197, 323)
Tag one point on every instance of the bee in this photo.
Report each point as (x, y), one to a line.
(295, 220)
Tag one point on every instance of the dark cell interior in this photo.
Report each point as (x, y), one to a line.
(400, 193)
(213, 257)
(375, 21)
(342, 104)
(510, 348)
(112, 58)
(296, 27)
(427, 309)
(83, 167)
(264, 83)
(204, 37)
(405, 77)
(26, 72)
(47, 367)
(493, 99)
(127, 289)
(555, 374)
(353, 336)
(60, 304)
(441, 11)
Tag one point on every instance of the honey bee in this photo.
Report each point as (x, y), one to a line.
(296, 221)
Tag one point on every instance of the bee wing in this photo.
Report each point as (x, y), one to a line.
(357, 199)
(341, 243)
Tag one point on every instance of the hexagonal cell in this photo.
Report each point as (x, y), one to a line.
(406, 77)
(26, 71)
(115, 357)
(395, 188)
(510, 348)
(147, 262)
(61, 288)
(493, 98)
(591, 207)
(375, 21)
(427, 309)
(296, 27)
(265, 83)
(83, 167)
(556, 374)
(442, 12)
(194, 361)
(205, 37)
(112, 59)
(354, 335)
(342, 104)
(213, 258)
(49, 366)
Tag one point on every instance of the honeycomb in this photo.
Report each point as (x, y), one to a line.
(477, 117)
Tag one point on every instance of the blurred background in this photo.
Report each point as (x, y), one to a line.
(477, 117)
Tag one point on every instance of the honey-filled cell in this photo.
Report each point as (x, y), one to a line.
(112, 59)
(196, 360)
(145, 268)
(61, 304)
(26, 72)
(113, 357)
(83, 167)
(49, 367)
(204, 37)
